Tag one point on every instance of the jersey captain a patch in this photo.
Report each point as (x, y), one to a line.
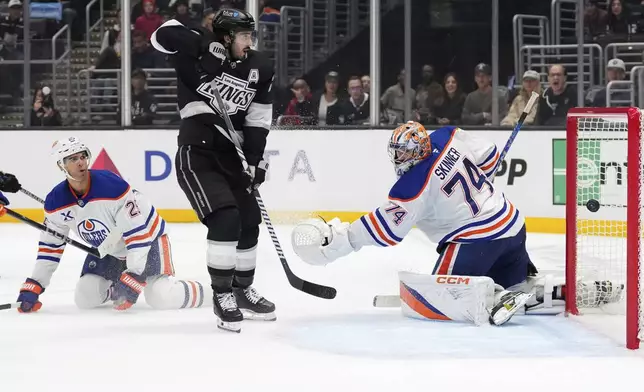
(235, 93)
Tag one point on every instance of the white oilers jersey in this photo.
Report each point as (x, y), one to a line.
(448, 196)
(110, 204)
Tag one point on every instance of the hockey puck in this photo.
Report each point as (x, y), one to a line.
(592, 205)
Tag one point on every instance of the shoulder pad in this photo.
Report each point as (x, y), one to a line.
(59, 197)
(106, 185)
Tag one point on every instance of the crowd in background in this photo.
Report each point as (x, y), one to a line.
(343, 99)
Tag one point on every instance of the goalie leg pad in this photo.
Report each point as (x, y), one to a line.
(446, 297)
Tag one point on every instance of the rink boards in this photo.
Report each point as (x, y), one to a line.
(327, 173)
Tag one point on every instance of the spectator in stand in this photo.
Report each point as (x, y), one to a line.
(449, 106)
(615, 71)
(478, 104)
(300, 109)
(428, 93)
(143, 54)
(43, 113)
(366, 84)
(393, 100)
(11, 25)
(595, 19)
(144, 104)
(351, 111)
(268, 11)
(557, 98)
(181, 12)
(530, 84)
(619, 18)
(206, 20)
(150, 20)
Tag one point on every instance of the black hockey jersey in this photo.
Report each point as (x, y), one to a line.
(245, 86)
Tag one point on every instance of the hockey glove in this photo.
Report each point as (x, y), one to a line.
(3, 202)
(9, 183)
(28, 296)
(127, 290)
(258, 174)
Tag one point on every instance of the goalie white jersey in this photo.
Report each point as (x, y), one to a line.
(447, 195)
(109, 204)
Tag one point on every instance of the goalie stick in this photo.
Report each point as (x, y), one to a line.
(295, 281)
(393, 301)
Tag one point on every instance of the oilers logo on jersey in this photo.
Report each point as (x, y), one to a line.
(92, 231)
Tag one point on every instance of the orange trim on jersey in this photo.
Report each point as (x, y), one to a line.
(431, 170)
(446, 261)
(418, 306)
(194, 293)
(146, 235)
(47, 250)
(89, 186)
(491, 164)
(382, 236)
(168, 268)
(489, 228)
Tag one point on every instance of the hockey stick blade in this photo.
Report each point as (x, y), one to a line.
(386, 301)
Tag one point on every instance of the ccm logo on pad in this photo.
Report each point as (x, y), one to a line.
(452, 280)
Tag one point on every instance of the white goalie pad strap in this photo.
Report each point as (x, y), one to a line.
(446, 297)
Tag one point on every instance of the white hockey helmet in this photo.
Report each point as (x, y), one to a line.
(64, 148)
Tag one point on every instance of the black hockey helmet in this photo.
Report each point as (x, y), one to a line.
(230, 20)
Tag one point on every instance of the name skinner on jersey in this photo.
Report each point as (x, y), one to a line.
(447, 163)
(234, 92)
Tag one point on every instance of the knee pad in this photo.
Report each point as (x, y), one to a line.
(224, 225)
(91, 291)
(165, 292)
(248, 238)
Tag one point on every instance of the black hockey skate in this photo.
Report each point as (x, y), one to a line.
(229, 317)
(253, 306)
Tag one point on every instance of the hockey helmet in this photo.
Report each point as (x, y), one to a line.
(64, 148)
(408, 145)
(228, 21)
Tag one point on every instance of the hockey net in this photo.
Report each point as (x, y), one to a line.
(603, 220)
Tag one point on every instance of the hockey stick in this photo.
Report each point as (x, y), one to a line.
(12, 305)
(41, 227)
(393, 301)
(295, 281)
(108, 243)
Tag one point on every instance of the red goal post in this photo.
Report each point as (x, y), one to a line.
(603, 211)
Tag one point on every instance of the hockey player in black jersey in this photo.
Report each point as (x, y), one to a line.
(208, 168)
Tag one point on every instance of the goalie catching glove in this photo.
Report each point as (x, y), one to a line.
(319, 243)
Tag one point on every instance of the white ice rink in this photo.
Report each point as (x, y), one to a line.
(315, 345)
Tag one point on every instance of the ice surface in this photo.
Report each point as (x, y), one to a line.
(315, 345)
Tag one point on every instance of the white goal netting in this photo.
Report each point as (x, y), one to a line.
(607, 259)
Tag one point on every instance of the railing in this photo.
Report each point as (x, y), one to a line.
(529, 30)
(90, 28)
(269, 39)
(66, 56)
(102, 95)
(637, 86)
(540, 57)
(619, 93)
(295, 53)
(629, 52)
(563, 14)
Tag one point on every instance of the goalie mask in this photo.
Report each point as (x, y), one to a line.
(64, 148)
(409, 144)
